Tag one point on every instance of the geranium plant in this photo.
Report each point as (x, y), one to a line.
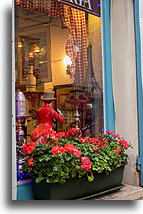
(65, 155)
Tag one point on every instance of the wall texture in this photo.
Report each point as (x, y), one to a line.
(94, 37)
(59, 38)
(124, 80)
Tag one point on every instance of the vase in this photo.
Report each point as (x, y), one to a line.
(79, 188)
(30, 81)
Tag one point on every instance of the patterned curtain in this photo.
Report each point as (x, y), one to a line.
(75, 20)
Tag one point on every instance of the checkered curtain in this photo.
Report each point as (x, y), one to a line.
(75, 20)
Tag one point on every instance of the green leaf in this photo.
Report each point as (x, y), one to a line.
(73, 173)
(50, 174)
(77, 167)
(62, 181)
(90, 178)
(56, 168)
(39, 179)
(48, 180)
(82, 171)
(68, 157)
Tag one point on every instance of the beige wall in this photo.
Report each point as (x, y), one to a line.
(124, 80)
(59, 38)
(94, 36)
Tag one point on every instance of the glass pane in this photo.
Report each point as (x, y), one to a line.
(51, 56)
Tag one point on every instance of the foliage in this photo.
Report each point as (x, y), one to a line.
(62, 156)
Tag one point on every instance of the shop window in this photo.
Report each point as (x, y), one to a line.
(54, 56)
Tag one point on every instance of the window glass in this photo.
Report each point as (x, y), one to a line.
(58, 49)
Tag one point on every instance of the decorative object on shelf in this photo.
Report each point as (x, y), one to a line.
(63, 162)
(20, 104)
(21, 117)
(30, 81)
(77, 97)
(45, 116)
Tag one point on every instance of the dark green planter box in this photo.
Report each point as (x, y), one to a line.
(79, 188)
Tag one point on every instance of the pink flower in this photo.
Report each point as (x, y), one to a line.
(117, 150)
(77, 153)
(86, 163)
(124, 143)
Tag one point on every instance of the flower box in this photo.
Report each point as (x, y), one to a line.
(79, 188)
(68, 166)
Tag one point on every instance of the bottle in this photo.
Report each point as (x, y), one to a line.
(30, 81)
(20, 104)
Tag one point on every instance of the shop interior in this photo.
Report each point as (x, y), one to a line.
(51, 55)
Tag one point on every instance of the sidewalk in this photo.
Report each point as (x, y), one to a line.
(128, 192)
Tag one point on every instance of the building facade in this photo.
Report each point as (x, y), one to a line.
(121, 26)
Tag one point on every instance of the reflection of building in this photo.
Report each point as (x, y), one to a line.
(121, 67)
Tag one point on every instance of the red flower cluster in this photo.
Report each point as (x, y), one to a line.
(60, 134)
(28, 147)
(30, 161)
(124, 143)
(109, 132)
(116, 136)
(46, 132)
(86, 163)
(94, 140)
(69, 148)
(57, 150)
(98, 142)
(43, 141)
(73, 133)
(117, 150)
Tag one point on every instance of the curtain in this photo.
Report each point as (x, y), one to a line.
(72, 18)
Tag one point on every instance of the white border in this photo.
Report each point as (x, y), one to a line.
(14, 176)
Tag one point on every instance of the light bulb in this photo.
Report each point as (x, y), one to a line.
(20, 45)
(67, 61)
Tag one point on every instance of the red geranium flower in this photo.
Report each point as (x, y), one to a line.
(73, 133)
(124, 143)
(117, 150)
(70, 148)
(57, 150)
(86, 163)
(30, 161)
(43, 141)
(46, 132)
(77, 153)
(60, 134)
(94, 140)
(109, 132)
(28, 147)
